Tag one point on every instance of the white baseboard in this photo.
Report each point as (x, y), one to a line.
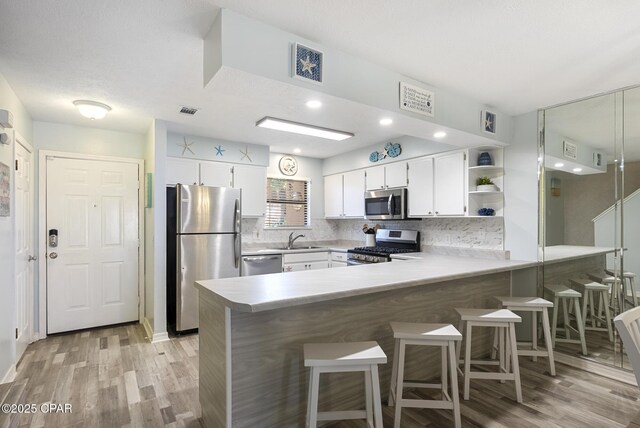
(154, 337)
(10, 375)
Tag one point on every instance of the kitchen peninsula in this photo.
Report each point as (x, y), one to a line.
(252, 329)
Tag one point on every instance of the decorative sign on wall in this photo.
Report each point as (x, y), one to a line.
(391, 150)
(288, 165)
(5, 190)
(570, 150)
(417, 100)
(488, 120)
(307, 63)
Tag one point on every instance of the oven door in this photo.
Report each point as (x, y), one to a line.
(353, 262)
(385, 204)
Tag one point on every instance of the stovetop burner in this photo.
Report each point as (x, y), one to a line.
(383, 251)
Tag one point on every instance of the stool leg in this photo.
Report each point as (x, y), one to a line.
(309, 395)
(400, 384)
(454, 385)
(607, 317)
(494, 345)
(583, 341)
(585, 300)
(634, 293)
(592, 309)
(502, 364)
(507, 351)
(443, 375)
(467, 361)
(377, 406)
(514, 357)
(459, 344)
(394, 373)
(554, 321)
(565, 314)
(534, 334)
(367, 398)
(315, 386)
(547, 341)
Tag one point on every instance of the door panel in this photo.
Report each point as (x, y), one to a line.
(375, 178)
(420, 190)
(223, 261)
(24, 246)
(215, 174)
(449, 193)
(354, 194)
(92, 275)
(395, 175)
(253, 182)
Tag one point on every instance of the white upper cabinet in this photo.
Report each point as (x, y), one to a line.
(344, 195)
(449, 184)
(354, 194)
(375, 178)
(253, 182)
(215, 174)
(395, 175)
(386, 176)
(420, 188)
(183, 171)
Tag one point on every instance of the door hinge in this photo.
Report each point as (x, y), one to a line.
(16, 332)
(16, 164)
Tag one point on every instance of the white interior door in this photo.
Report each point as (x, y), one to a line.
(92, 273)
(24, 246)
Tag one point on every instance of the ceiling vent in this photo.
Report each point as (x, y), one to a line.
(188, 110)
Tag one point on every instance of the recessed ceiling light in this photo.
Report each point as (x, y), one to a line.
(439, 134)
(558, 165)
(303, 128)
(296, 150)
(314, 104)
(92, 109)
(386, 121)
(577, 169)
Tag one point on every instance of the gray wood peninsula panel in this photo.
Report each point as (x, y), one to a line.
(261, 343)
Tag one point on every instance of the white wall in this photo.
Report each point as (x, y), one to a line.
(521, 189)
(149, 261)
(23, 125)
(159, 324)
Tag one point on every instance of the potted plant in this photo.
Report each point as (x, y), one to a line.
(484, 184)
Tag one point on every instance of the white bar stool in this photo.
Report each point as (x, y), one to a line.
(629, 277)
(340, 358)
(504, 321)
(443, 335)
(588, 288)
(559, 291)
(533, 305)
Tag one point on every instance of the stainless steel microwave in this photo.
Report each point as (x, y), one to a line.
(385, 204)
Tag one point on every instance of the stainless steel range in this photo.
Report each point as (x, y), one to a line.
(387, 242)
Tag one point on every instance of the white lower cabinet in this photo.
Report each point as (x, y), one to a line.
(305, 261)
(338, 259)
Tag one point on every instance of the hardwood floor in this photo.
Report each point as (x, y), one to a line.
(114, 378)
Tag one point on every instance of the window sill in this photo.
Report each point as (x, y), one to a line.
(289, 228)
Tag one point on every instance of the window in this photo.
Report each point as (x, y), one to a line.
(287, 203)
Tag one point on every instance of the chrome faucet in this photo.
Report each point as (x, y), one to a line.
(292, 239)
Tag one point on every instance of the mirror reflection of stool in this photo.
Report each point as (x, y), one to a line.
(568, 296)
(588, 288)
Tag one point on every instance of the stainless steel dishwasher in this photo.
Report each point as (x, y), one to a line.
(260, 265)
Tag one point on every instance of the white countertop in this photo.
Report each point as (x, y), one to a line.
(561, 253)
(279, 290)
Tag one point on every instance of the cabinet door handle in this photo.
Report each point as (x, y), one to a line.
(437, 212)
(429, 212)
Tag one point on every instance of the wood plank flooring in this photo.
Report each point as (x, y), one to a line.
(114, 378)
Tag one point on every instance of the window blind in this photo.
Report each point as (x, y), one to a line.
(287, 203)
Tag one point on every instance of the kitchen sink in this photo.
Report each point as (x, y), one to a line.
(310, 247)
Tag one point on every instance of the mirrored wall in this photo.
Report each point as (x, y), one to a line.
(589, 211)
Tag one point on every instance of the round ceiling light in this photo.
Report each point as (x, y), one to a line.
(92, 109)
(439, 134)
(558, 165)
(297, 150)
(314, 104)
(386, 121)
(577, 169)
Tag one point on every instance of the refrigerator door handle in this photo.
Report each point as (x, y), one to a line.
(236, 216)
(236, 250)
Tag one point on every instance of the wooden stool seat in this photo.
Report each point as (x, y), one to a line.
(345, 357)
(588, 287)
(421, 334)
(504, 321)
(560, 291)
(533, 305)
(625, 274)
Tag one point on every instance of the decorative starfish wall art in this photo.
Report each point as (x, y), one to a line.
(307, 65)
(186, 146)
(219, 151)
(246, 154)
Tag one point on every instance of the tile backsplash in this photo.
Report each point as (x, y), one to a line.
(482, 233)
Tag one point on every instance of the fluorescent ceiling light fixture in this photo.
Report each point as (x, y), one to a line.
(92, 109)
(297, 150)
(439, 134)
(386, 121)
(314, 104)
(559, 165)
(577, 169)
(302, 128)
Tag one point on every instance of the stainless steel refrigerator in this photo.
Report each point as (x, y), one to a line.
(203, 242)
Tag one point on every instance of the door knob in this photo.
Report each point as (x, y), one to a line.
(53, 255)
(32, 258)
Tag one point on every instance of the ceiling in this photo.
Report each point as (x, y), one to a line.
(144, 58)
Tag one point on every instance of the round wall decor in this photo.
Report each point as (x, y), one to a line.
(288, 165)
